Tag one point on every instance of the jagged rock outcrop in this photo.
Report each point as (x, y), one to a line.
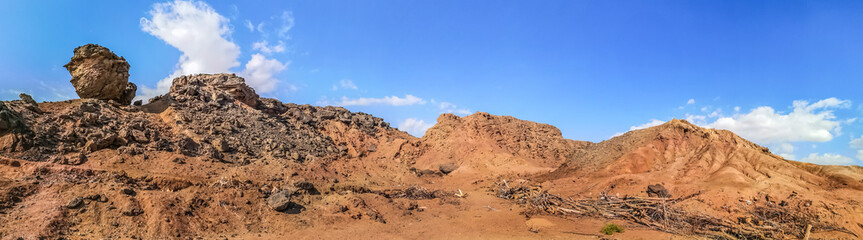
(99, 73)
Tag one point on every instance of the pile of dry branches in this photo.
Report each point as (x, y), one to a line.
(661, 214)
(415, 193)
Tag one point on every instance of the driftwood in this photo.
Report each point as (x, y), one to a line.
(764, 222)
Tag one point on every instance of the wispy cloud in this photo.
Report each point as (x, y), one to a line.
(287, 22)
(857, 144)
(345, 84)
(828, 159)
(389, 100)
(447, 107)
(264, 47)
(652, 123)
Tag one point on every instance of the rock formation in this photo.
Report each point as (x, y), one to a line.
(211, 159)
(99, 73)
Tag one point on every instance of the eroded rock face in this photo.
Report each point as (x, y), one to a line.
(230, 83)
(99, 73)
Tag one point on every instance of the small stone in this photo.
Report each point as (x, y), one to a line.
(129, 191)
(280, 201)
(75, 203)
(132, 209)
(447, 168)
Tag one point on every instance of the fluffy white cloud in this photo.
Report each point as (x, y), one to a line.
(807, 122)
(415, 127)
(390, 100)
(858, 145)
(260, 71)
(828, 159)
(265, 47)
(786, 150)
(199, 32)
(691, 101)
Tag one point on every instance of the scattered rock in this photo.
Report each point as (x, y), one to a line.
(657, 190)
(75, 203)
(132, 209)
(128, 191)
(280, 201)
(99, 73)
(447, 168)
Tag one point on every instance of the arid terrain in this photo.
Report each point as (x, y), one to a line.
(212, 160)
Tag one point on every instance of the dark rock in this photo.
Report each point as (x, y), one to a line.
(426, 172)
(280, 201)
(128, 191)
(75, 203)
(447, 168)
(657, 190)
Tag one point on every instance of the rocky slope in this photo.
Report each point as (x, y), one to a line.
(211, 159)
(726, 176)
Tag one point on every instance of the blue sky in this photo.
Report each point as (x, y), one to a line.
(592, 68)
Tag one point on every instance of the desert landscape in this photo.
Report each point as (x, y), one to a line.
(211, 159)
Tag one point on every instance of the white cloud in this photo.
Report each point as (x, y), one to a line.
(390, 100)
(828, 159)
(265, 47)
(250, 26)
(447, 107)
(345, 84)
(415, 127)
(287, 18)
(652, 123)
(807, 122)
(199, 32)
(260, 71)
(696, 119)
(786, 150)
(736, 109)
(691, 101)
(858, 145)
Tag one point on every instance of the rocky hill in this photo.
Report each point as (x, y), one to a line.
(211, 159)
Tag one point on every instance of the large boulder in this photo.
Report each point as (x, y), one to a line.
(99, 73)
(10, 121)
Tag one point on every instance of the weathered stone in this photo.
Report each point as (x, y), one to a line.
(99, 73)
(221, 145)
(128, 191)
(75, 203)
(658, 190)
(132, 209)
(447, 168)
(281, 200)
(10, 121)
